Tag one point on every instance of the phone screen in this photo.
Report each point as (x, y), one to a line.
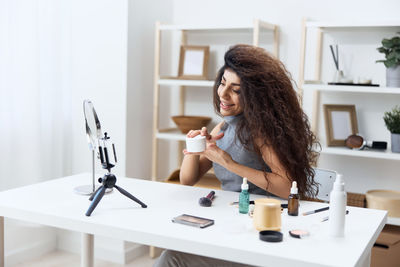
(193, 220)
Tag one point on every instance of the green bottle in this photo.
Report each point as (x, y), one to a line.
(244, 197)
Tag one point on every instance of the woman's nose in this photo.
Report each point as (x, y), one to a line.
(223, 92)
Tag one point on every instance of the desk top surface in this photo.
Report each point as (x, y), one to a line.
(232, 237)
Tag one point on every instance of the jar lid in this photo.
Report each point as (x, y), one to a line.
(271, 236)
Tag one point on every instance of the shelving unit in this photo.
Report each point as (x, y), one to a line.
(364, 153)
(316, 86)
(161, 83)
(177, 82)
(352, 89)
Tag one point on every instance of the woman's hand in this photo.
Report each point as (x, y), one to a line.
(212, 152)
(204, 132)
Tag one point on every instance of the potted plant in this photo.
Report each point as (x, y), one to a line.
(391, 49)
(392, 121)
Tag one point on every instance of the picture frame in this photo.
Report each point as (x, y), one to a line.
(193, 62)
(340, 122)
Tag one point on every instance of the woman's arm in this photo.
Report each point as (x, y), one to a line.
(278, 183)
(195, 166)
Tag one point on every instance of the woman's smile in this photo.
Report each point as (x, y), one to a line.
(225, 105)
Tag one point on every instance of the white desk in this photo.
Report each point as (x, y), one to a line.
(233, 238)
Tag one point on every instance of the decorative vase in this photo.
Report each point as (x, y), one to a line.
(393, 76)
(395, 142)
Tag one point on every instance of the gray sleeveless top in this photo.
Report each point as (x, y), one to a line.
(231, 144)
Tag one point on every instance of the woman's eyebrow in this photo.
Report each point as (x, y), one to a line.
(233, 84)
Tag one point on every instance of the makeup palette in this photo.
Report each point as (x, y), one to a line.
(298, 233)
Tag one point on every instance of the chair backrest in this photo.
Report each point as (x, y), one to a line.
(325, 178)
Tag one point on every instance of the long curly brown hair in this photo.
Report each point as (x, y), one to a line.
(271, 113)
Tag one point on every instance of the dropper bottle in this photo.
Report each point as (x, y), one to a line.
(244, 197)
(293, 200)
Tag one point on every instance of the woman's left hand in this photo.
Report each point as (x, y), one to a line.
(217, 155)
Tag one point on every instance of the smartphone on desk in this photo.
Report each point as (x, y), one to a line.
(193, 220)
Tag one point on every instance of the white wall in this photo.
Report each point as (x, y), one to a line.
(98, 72)
(357, 53)
(142, 18)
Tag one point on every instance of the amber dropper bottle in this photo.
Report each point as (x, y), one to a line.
(293, 200)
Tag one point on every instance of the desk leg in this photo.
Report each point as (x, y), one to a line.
(87, 255)
(367, 261)
(1, 241)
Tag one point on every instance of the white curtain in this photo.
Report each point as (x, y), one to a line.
(35, 103)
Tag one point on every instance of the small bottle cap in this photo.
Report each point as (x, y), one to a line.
(294, 190)
(245, 185)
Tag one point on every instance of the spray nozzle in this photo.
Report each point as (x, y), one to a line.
(339, 183)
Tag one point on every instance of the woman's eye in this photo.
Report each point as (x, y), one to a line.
(222, 84)
(236, 91)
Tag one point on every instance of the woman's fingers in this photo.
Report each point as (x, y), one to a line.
(193, 133)
(217, 137)
(204, 131)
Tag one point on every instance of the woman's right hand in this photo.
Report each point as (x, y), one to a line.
(202, 132)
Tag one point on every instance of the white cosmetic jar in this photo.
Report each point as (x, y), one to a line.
(196, 144)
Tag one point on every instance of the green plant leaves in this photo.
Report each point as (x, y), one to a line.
(391, 49)
(392, 120)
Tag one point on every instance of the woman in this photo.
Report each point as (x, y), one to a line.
(265, 136)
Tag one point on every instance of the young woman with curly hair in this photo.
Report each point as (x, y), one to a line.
(265, 136)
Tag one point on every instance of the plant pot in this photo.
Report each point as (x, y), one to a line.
(393, 76)
(395, 142)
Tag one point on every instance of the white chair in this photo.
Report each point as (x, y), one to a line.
(325, 179)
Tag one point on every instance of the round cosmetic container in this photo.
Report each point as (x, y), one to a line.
(196, 144)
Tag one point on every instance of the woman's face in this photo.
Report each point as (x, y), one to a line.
(229, 92)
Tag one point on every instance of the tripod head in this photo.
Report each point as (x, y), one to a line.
(108, 180)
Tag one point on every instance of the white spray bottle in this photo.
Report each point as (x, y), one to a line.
(337, 208)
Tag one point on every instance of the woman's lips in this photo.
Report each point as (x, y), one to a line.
(225, 106)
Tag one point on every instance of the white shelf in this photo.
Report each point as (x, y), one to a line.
(354, 24)
(171, 134)
(221, 27)
(361, 153)
(351, 88)
(177, 82)
(393, 221)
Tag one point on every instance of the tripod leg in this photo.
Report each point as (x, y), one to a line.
(96, 200)
(94, 193)
(127, 194)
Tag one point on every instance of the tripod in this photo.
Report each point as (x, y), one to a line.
(109, 180)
